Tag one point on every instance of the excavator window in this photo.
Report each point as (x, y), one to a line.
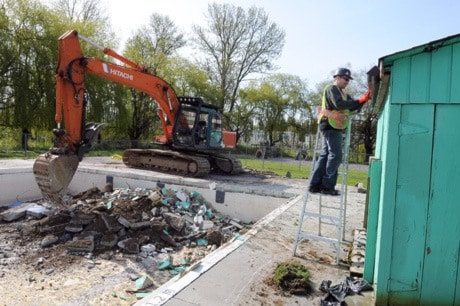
(198, 125)
(216, 131)
(201, 132)
(183, 135)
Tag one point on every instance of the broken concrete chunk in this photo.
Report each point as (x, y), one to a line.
(164, 263)
(236, 224)
(168, 239)
(15, 213)
(111, 223)
(74, 228)
(361, 188)
(140, 225)
(49, 240)
(53, 220)
(37, 211)
(81, 245)
(176, 270)
(157, 226)
(49, 271)
(109, 240)
(143, 282)
(141, 295)
(198, 221)
(123, 221)
(207, 224)
(101, 206)
(82, 218)
(182, 196)
(154, 196)
(176, 221)
(130, 245)
(133, 276)
(215, 236)
(183, 205)
(40, 261)
(148, 248)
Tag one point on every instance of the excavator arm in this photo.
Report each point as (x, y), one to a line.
(70, 88)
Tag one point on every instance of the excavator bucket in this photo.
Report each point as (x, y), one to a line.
(53, 174)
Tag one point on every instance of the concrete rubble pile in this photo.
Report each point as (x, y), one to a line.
(153, 224)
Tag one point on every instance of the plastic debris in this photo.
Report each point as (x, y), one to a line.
(335, 295)
(202, 241)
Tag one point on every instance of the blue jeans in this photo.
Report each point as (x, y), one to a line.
(327, 166)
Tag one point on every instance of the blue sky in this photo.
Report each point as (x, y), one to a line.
(321, 35)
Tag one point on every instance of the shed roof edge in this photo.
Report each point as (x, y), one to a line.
(428, 47)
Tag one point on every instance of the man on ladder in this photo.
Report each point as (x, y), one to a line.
(333, 119)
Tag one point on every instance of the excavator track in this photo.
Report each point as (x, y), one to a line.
(167, 161)
(225, 164)
(53, 174)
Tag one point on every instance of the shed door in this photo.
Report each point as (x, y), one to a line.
(441, 276)
(415, 152)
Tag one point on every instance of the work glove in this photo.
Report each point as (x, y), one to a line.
(365, 97)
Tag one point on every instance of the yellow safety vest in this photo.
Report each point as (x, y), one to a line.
(338, 119)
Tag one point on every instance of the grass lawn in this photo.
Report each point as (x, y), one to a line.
(299, 170)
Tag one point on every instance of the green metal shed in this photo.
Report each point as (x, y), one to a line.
(413, 233)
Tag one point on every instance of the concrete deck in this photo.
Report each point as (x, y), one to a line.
(237, 273)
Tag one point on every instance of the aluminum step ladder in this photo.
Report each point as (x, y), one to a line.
(327, 213)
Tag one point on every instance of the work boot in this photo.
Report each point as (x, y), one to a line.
(331, 192)
(314, 189)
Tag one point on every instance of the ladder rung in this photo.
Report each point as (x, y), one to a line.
(315, 215)
(327, 223)
(316, 237)
(330, 207)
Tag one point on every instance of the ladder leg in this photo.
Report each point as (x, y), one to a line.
(339, 220)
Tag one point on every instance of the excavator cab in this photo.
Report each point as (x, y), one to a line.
(198, 125)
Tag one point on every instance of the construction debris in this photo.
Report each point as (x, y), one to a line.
(358, 252)
(166, 229)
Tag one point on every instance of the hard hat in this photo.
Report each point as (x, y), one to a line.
(343, 72)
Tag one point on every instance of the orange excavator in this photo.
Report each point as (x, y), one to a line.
(193, 137)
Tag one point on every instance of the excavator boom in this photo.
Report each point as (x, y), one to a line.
(192, 130)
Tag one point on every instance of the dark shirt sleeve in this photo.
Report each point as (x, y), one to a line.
(335, 101)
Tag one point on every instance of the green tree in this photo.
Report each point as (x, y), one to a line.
(31, 29)
(8, 57)
(188, 79)
(29, 81)
(153, 46)
(277, 101)
(237, 43)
